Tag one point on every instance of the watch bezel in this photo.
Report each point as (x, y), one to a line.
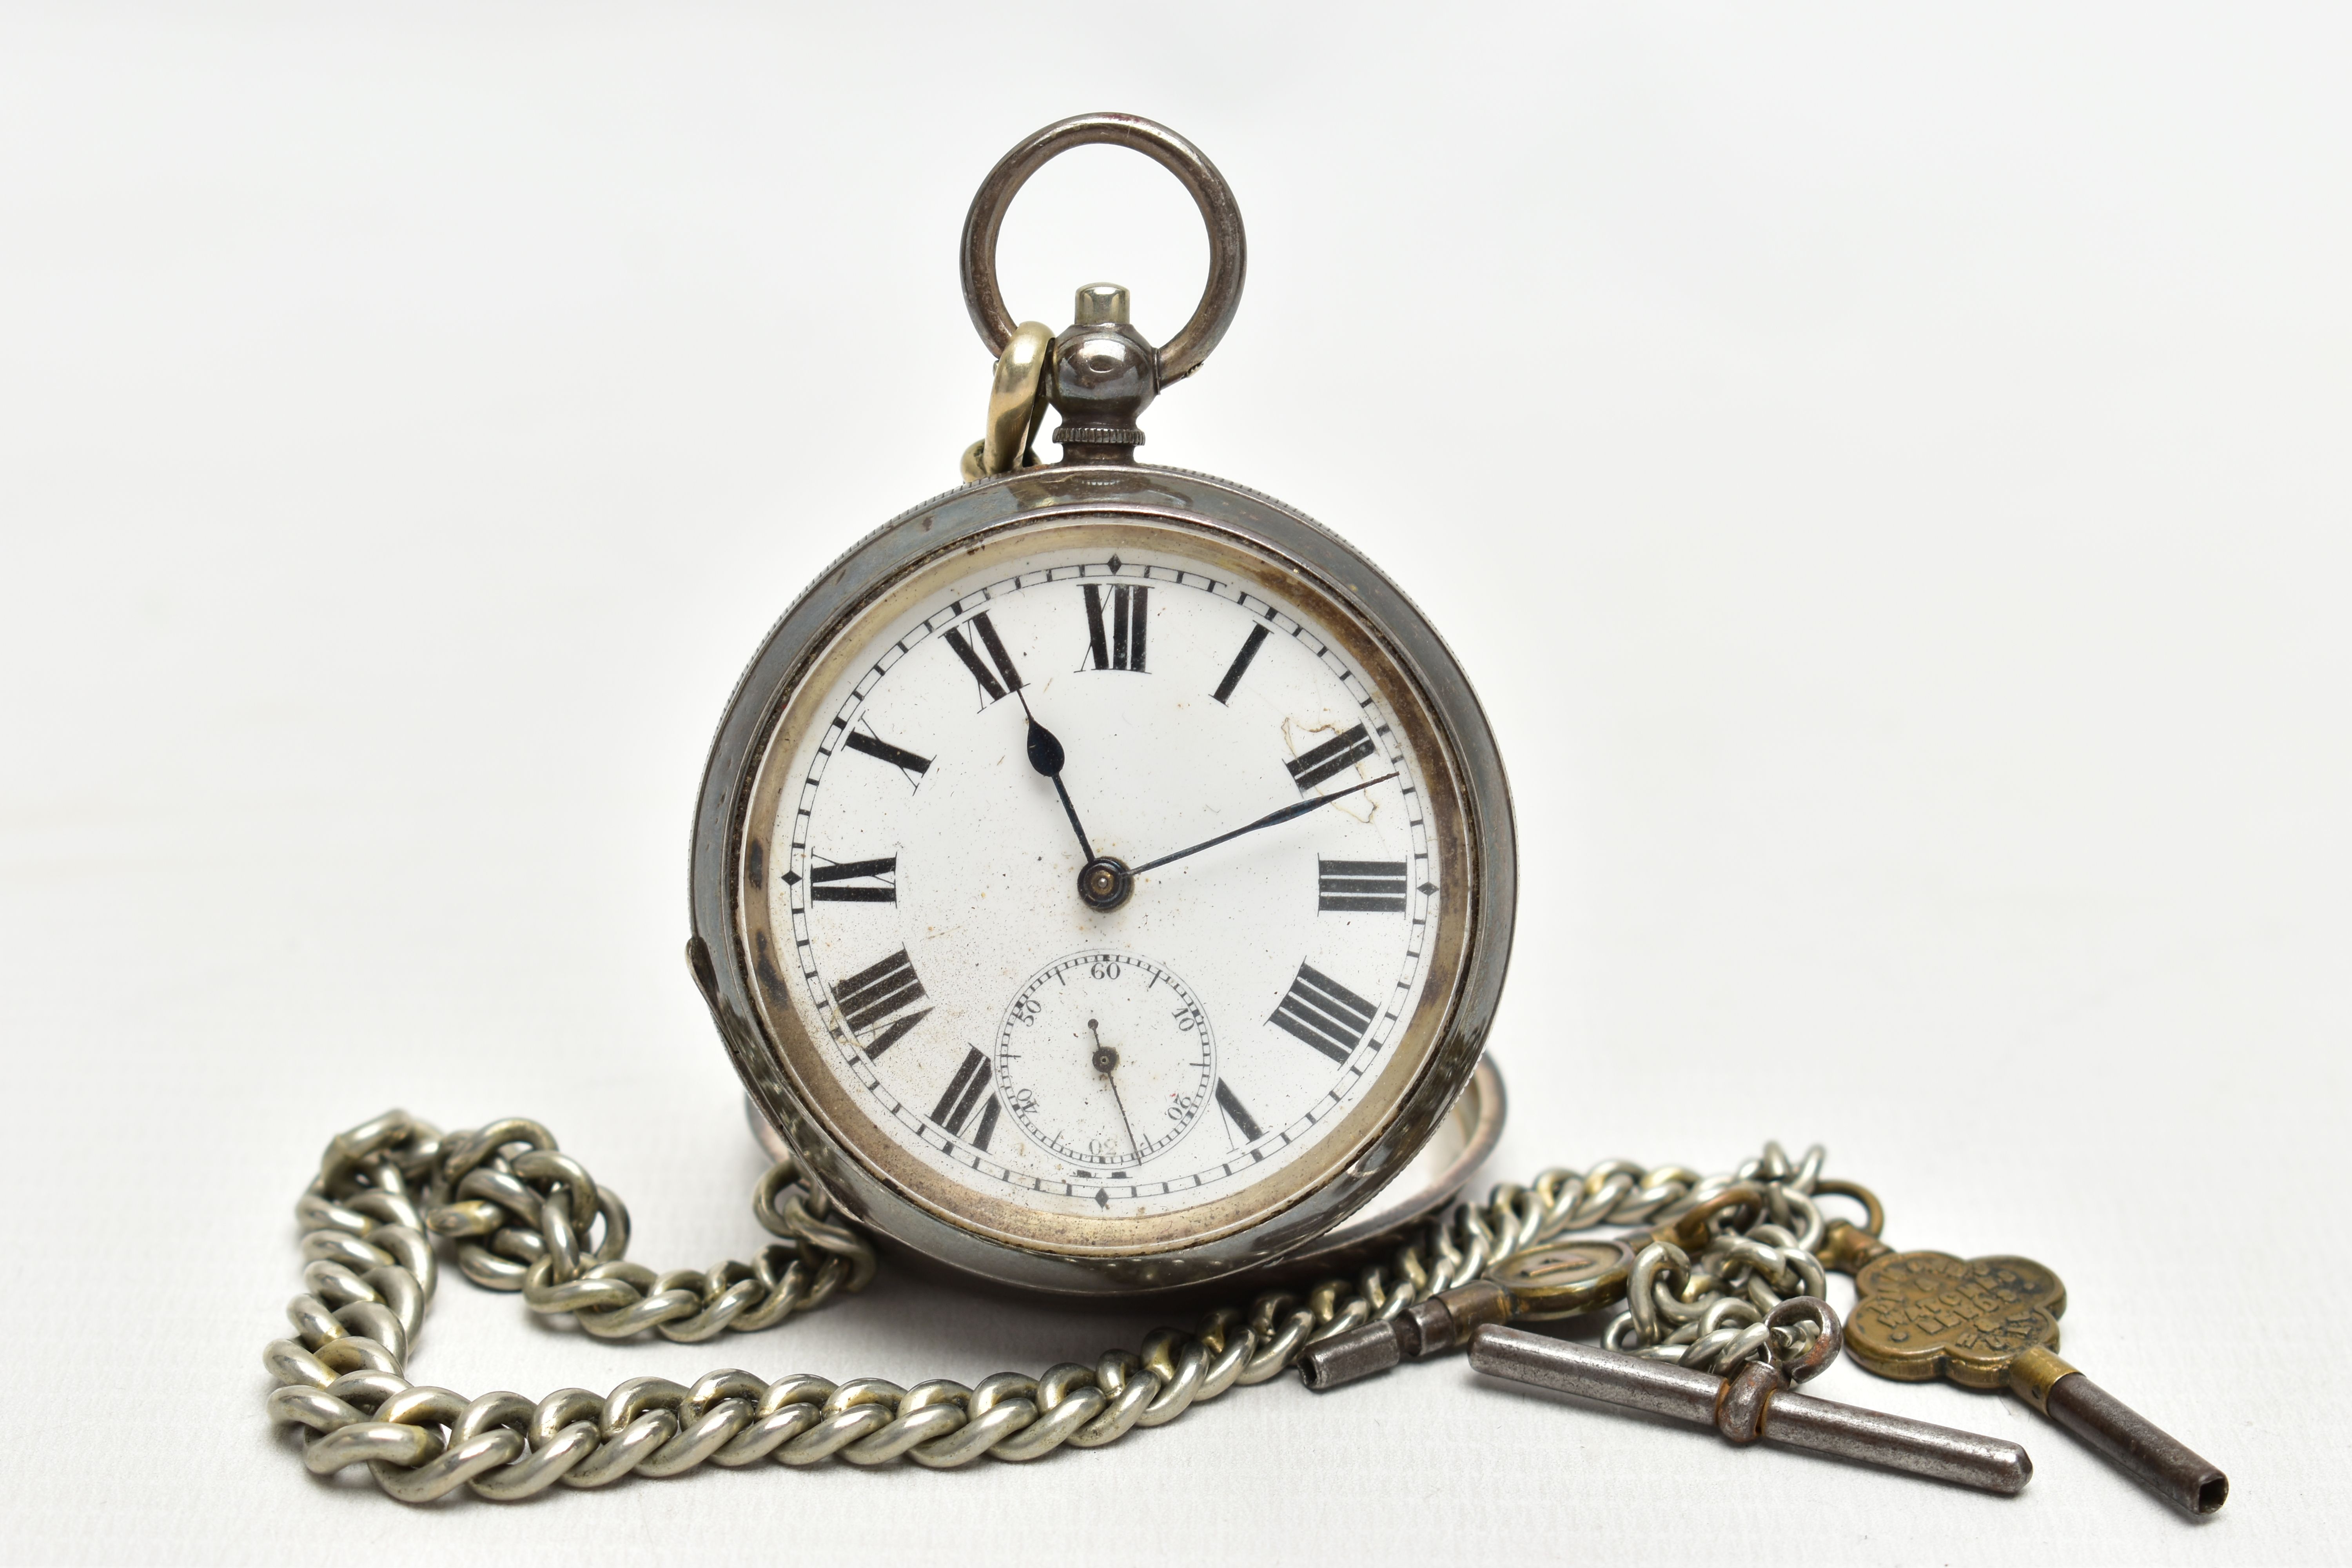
(956, 522)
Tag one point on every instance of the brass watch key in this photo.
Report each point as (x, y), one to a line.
(1992, 1322)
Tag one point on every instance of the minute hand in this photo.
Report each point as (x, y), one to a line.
(1270, 819)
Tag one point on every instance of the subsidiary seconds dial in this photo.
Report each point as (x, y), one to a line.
(1106, 1060)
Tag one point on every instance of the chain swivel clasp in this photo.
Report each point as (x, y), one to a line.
(1444, 1322)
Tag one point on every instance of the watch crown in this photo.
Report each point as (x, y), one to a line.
(1102, 304)
(1105, 375)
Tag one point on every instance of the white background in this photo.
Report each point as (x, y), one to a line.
(1885, 470)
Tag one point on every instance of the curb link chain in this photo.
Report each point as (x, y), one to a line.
(526, 1217)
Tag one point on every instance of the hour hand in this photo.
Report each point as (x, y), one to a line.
(1045, 756)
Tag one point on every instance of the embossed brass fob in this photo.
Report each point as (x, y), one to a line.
(1992, 1322)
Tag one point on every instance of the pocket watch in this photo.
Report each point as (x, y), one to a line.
(1103, 876)
(1103, 882)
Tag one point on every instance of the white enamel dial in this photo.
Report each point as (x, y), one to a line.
(918, 881)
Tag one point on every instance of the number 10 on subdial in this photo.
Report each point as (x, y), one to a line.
(1105, 1059)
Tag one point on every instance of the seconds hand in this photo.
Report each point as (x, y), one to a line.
(1270, 819)
(1045, 756)
(1106, 1060)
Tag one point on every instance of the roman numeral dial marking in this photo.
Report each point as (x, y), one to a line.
(873, 994)
(898, 757)
(1243, 1122)
(1240, 667)
(826, 882)
(1121, 647)
(1372, 886)
(994, 684)
(1324, 1013)
(1341, 752)
(963, 1092)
